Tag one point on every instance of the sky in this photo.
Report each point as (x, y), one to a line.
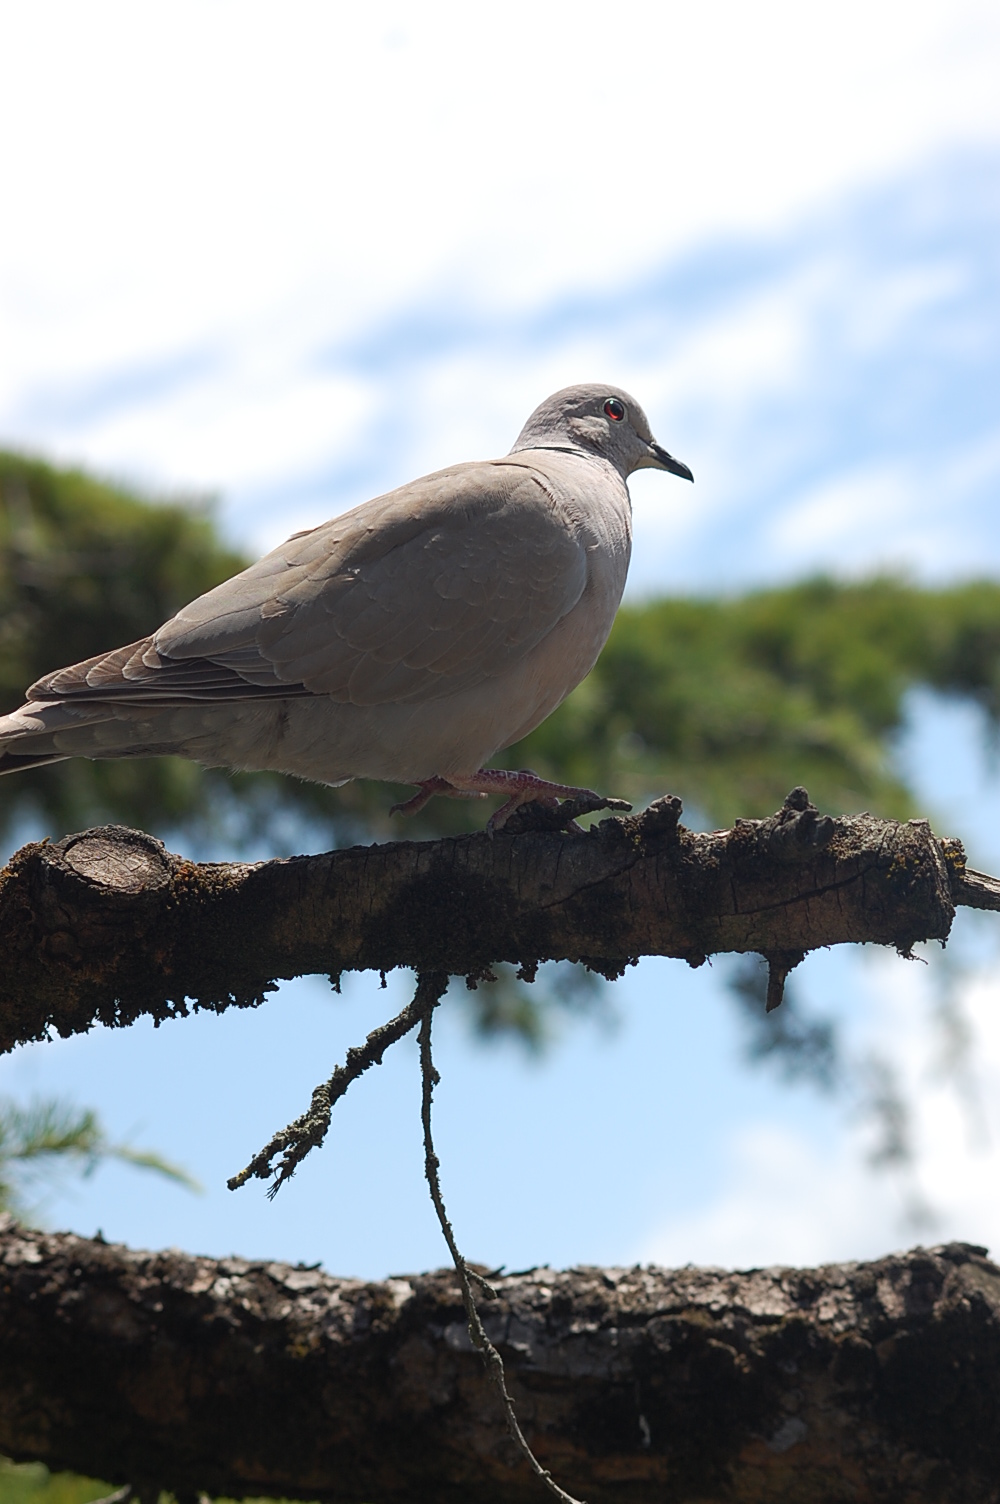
(295, 258)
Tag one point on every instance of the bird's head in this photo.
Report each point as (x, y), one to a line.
(602, 420)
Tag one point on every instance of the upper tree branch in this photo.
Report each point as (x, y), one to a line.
(855, 1381)
(108, 925)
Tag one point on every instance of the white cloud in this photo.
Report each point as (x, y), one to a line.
(788, 1198)
(904, 514)
(173, 174)
(785, 1201)
(244, 428)
(847, 510)
(264, 208)
(883, 304)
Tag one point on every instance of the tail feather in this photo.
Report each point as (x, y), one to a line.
(10, 762)
(45, 732)
(248, 735)
(29, 737)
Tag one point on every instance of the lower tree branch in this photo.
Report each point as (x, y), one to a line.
(854, 1381)
(108, 925)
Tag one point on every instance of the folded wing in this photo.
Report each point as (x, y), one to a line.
(419, 594)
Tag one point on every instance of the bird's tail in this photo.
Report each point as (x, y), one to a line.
(237, 736)
(43, 733)
(10, 762)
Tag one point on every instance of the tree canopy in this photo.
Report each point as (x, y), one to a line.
(85, 564)
(729, 702)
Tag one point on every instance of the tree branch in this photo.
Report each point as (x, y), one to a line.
(108, 925)
(867, 1381)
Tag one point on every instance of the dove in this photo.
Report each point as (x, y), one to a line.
(409, 639)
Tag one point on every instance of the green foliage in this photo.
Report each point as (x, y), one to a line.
(730, 703)
(32, 1483)
(84, 566)
(37, 1140)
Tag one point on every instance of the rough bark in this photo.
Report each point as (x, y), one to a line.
(856, 1382)
(107, 925)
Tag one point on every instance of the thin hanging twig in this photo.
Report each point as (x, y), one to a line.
(308, 1131)
(492, 1359)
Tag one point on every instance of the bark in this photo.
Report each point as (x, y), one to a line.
(107, 925)
(856, 1382)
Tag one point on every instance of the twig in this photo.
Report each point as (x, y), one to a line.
(494, 1363)
(308, 1131)
(978, 890)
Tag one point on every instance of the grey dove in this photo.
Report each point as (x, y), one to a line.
(409, 639)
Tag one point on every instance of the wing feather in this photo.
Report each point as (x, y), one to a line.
(432, 589)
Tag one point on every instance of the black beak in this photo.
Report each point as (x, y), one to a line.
(664, 461)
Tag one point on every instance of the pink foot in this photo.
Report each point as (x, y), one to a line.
(521, 788)
(428, 788)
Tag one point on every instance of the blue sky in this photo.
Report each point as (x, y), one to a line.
(321, 259)
(830, 384)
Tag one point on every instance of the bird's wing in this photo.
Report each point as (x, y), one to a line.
(426, 591)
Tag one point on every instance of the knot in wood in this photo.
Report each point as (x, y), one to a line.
(112, 856)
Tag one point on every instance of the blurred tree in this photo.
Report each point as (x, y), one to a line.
(33, 1483)
(730, 703)
(42, 1139)
(84, 563)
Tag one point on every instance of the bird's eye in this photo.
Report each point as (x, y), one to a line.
(614, 409)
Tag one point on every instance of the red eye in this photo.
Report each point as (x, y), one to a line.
(614, 409)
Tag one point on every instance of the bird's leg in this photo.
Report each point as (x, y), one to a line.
(521, 788)
(428, 788)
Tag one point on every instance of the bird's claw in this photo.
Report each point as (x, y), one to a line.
(427, 790)
(537, 815)
(547, 806)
